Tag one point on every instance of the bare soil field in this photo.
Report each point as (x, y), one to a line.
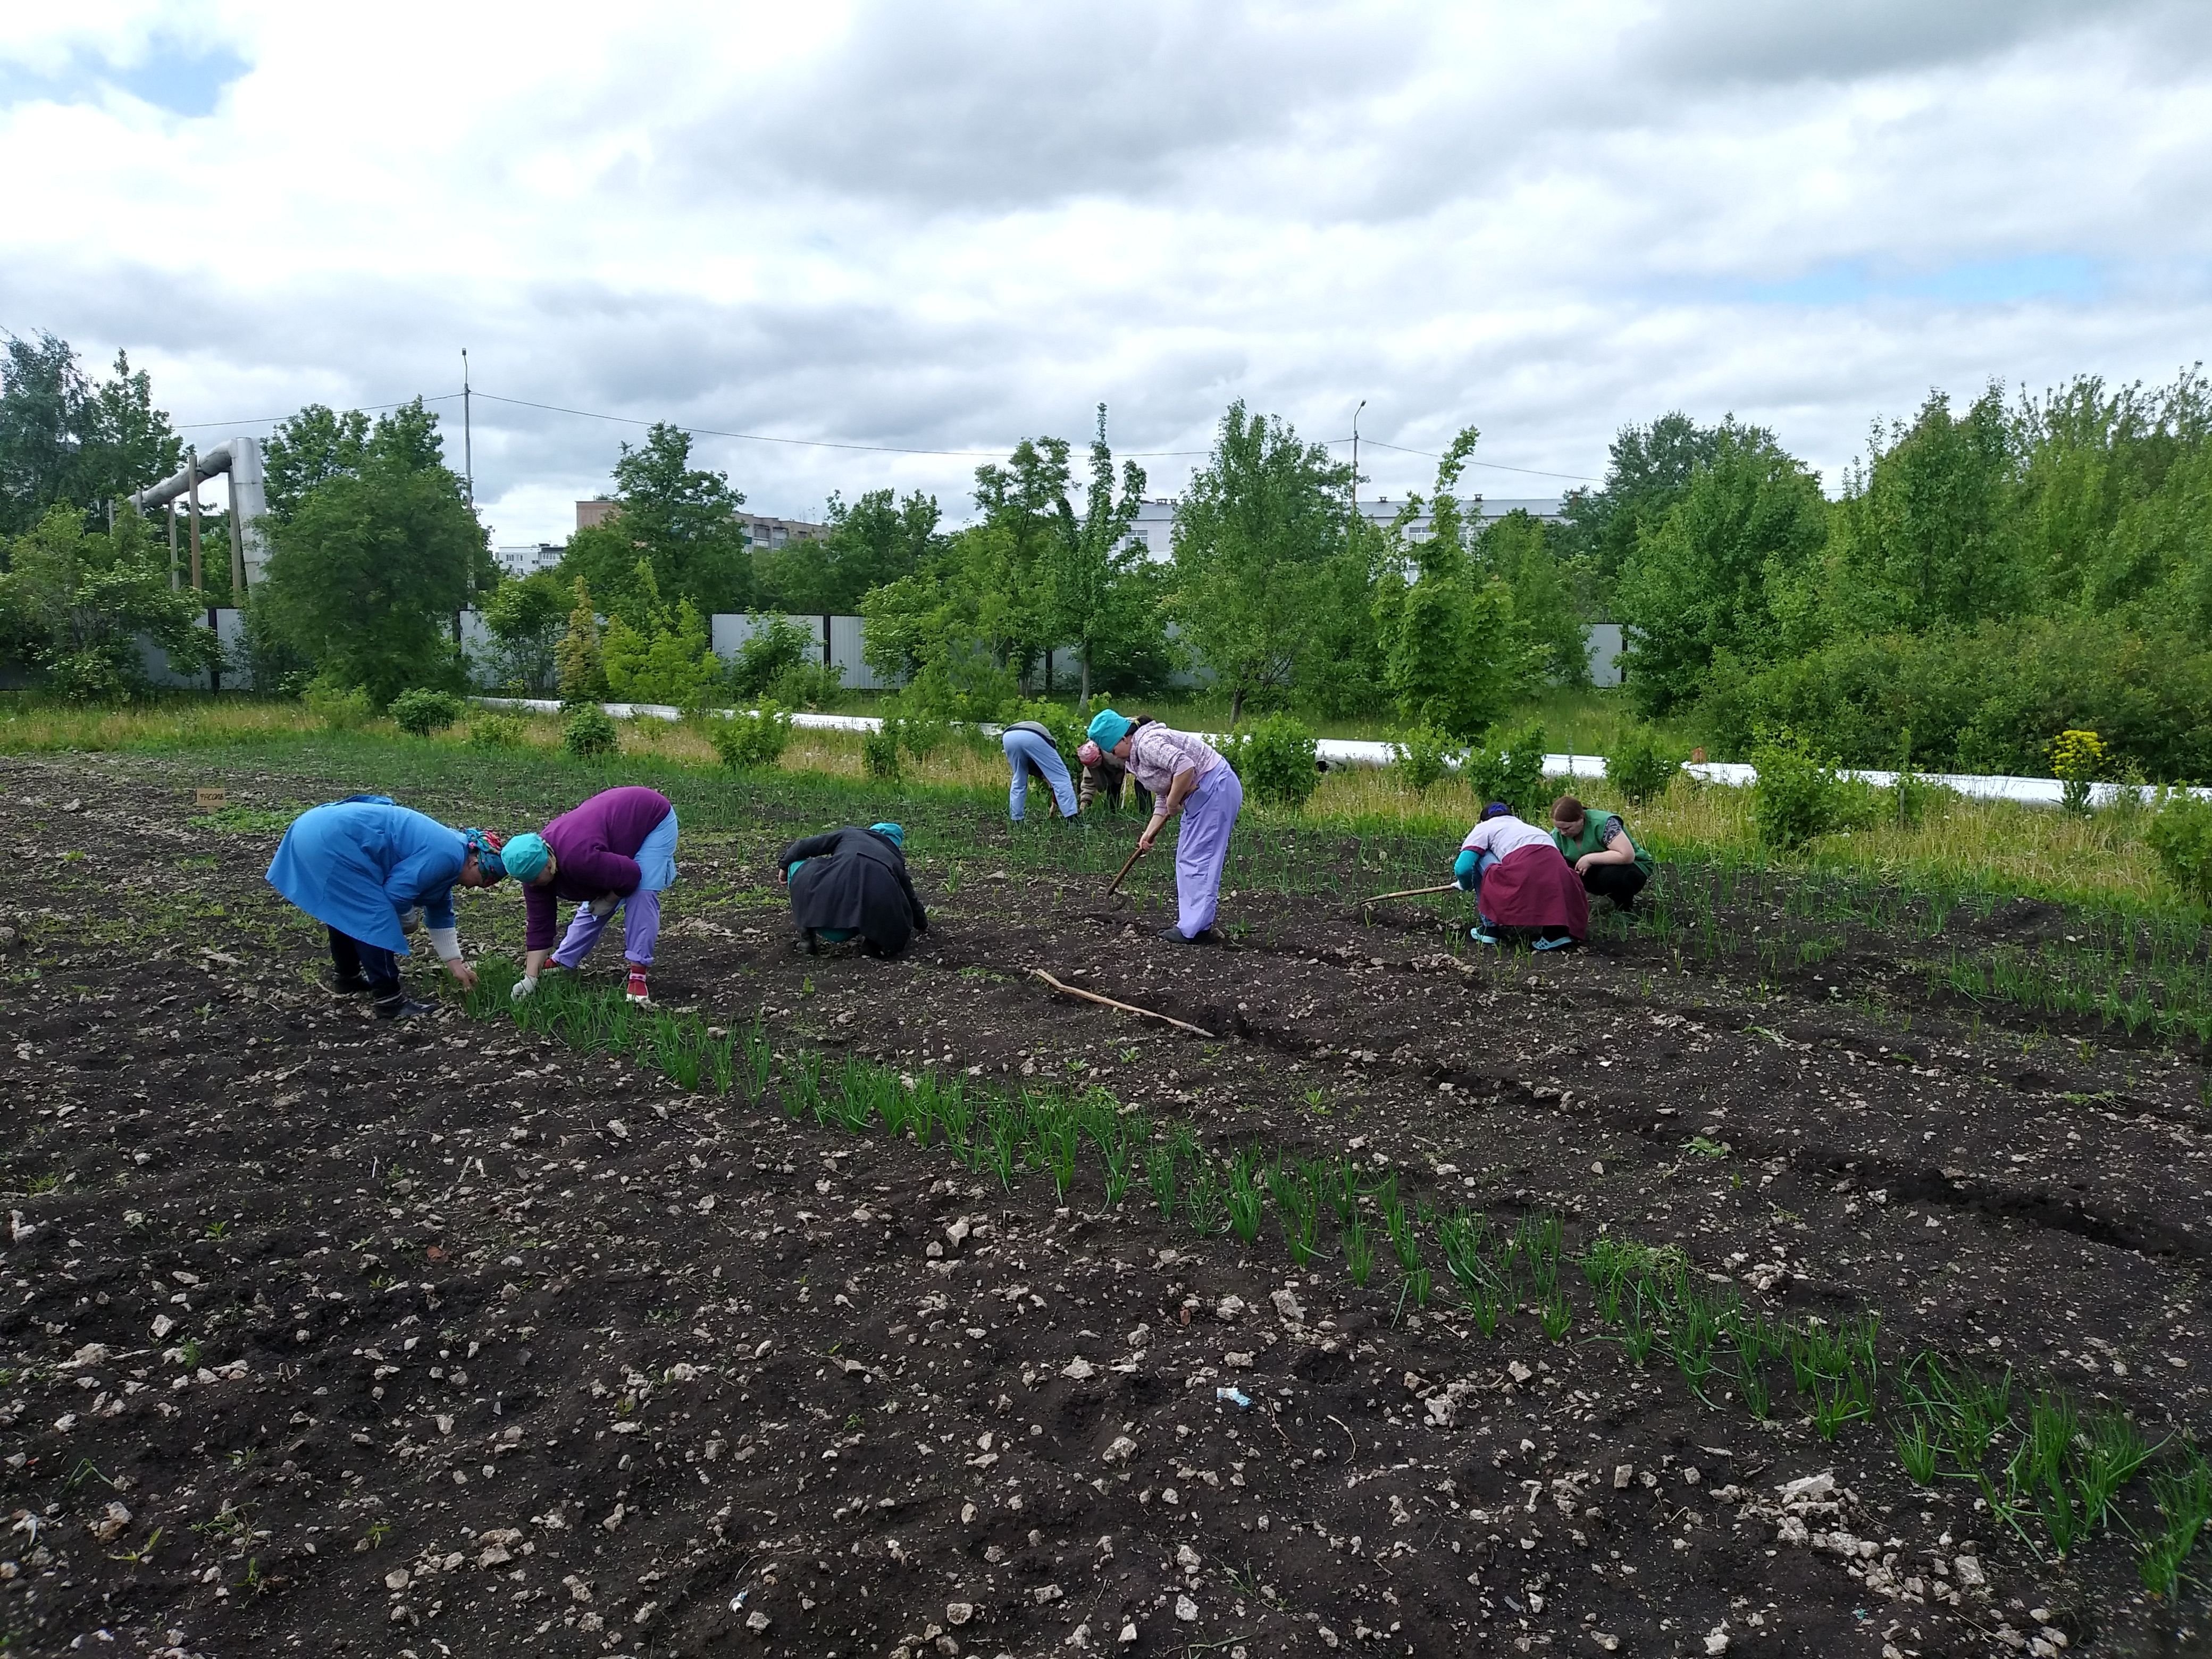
(1431, 1302)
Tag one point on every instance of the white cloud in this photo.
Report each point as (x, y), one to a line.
(946, 228)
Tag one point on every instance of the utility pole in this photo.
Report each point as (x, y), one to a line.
(469, 474)
(1355, 465)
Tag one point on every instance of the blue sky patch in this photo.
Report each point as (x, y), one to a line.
(186, 82)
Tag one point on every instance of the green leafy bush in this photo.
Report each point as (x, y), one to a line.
(339, 708)
(1799, 796)
(2181, 835)
(746, 741)
(1276, 761)
(776, 645)
(1509, 766)
(589, 732)
(880, 751)
(495, 731)
(421, 711)
(1639, 766)
(1424, 755)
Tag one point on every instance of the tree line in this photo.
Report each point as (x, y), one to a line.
(1986, 577)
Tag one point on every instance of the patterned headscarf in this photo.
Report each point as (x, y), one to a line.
(485, 845)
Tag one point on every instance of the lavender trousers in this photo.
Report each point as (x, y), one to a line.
(1209, 813)
(640, 914)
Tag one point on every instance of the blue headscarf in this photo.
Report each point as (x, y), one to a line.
(1496, 809)
(1108, 728)
(891, 833)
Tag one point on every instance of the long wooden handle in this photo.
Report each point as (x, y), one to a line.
(1124, 1007)
(1413, 892)
(1124, 870)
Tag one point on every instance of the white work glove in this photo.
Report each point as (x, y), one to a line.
(604, 906)
(524, 987)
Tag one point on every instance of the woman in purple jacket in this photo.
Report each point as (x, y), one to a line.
(617, 849)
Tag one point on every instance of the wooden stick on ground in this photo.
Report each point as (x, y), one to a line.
(1124, 1007)
(1125, 866)
(1411, 892)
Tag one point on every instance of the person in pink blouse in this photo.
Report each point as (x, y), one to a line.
(1187, 775)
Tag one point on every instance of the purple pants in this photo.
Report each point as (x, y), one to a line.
(641, 926)
(1209, 813)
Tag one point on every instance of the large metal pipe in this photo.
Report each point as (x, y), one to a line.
(240, 457)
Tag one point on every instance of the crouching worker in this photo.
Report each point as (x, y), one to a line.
(617, 850)
(1186, 775)
(1601, 852)
(1031, 752)
(1102, 777)
(362, 866)
(1522, 888)
(852, 884)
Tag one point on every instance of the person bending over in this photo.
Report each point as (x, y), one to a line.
(618, 850)
(363, 867)
(1601, 852)
(851, 883)
(1031, 752)
(1522, 888)
(1102, 777)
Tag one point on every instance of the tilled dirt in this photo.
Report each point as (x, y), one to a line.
(326, 1335)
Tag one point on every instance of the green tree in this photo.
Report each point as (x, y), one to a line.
(1256, 536)
(582, 667)
(870, 542)
(1516, 549)
(74, 602)
(681, 519)
(667, 660)
(1920, 533)
(62, 437)
(1451, 658)
(1699, 582)
(311, 448)
(1650, 468)
(526, 619)
(370, 564)
(1096, 597)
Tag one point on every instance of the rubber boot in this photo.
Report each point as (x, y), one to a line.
(399, 1005)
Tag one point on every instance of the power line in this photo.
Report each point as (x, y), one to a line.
(871, 449)
(272, 420)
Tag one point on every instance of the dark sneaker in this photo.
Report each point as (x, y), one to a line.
(403, 1007)
(351, 985)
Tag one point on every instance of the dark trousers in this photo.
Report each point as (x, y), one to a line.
(1620, 883)
(380, 967)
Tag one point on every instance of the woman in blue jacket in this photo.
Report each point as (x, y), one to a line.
(360, 866)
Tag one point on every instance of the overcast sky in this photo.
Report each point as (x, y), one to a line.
(948, 227)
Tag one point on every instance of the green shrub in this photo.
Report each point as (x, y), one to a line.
(1799, 797)
(1275, 761)
(810, 685)
(1639, 766)
(495, 731)
(1509, 766)
(745, 741)
(1424, 755)
(880, 751)
(421, 711)
(339, 708)
(589, 732)
(776, 644)
(2181, 835)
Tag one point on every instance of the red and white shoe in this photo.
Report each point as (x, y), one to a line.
(637, 991)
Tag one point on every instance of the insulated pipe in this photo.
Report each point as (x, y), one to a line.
(240, 457)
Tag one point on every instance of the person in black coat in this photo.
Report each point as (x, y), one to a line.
(853, 882)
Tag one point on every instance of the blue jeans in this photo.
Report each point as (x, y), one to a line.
(1024, 750)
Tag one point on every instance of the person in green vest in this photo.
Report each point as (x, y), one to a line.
(1599, 848)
